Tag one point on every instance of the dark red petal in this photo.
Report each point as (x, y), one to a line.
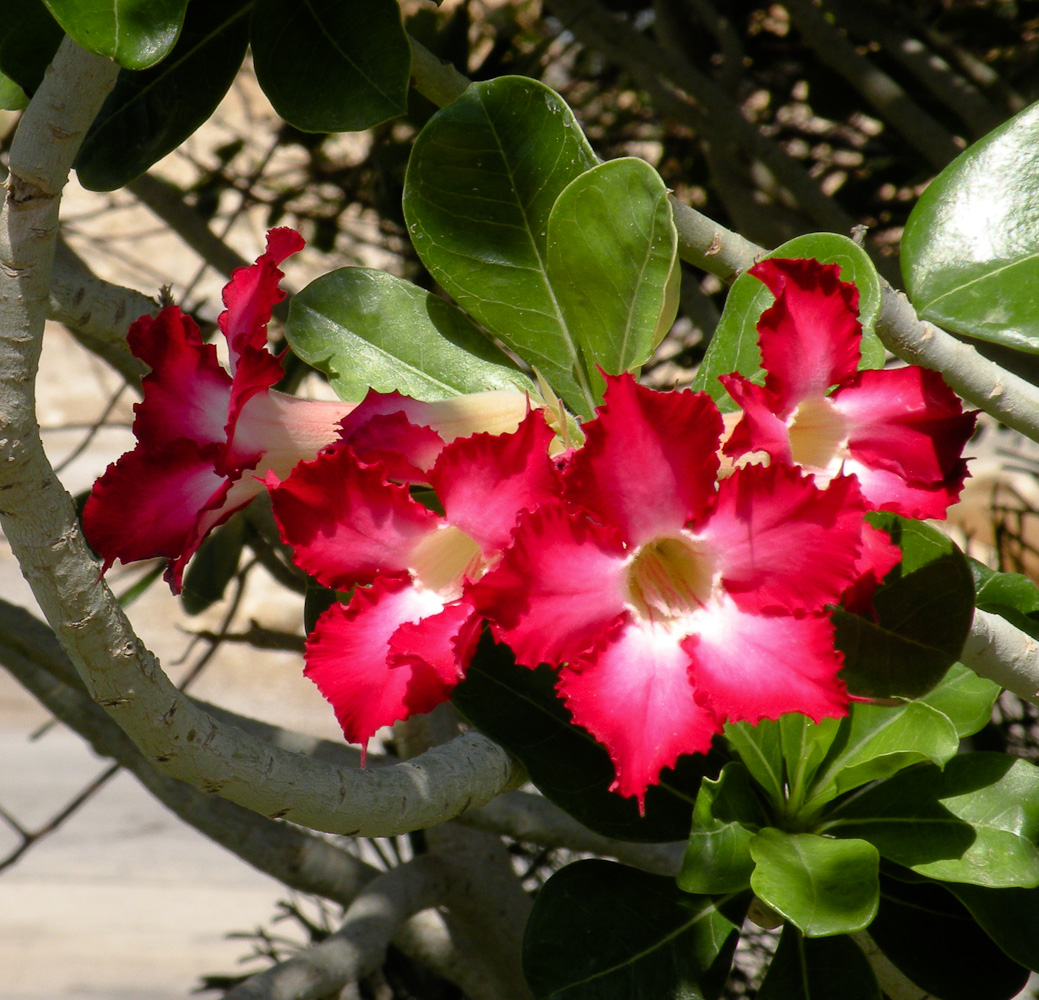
(445, 642)
(781, 542)
(634, 695)
(404, 450)
(879, 556)
(906, 421)
(557, 589)
(345, 521)
(347, 658)
(484, 481)
(884, 490)
(759, 428)
(748, 667)
(649, 461)
(810, 337)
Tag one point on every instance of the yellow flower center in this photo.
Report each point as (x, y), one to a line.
(444, 559)
(817, 432)
(669, 578)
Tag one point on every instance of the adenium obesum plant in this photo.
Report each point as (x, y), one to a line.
(672, 594)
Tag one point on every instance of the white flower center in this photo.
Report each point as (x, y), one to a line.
(670, 578)
(817, 432)
(444, 559)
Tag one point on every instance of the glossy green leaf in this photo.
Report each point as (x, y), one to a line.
(994, 590)
(924, 611)
(727, 815)
(366, 328)
(12, 97)
(213, 567)
(970, 250)
(805, 746)
(331, 66)
(150, 113)
(976, 822)
(612, 248)
(135, 33)
(600, 931)
(876, 741)
(964, 698)
(822, 886)
(29, 37)
(519, 709)
(483, 177)
(934, 941)
(1009, 916)
(734, 345)
(831, 968)
(760, 748)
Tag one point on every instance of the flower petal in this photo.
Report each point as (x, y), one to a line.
(347, 658)
(345, 521)
(405, 451)
(885, 490)
(781, 542)
(649, 461)
(444, 642)
(879, 556)
(634, 695)
(748, 667)
(810, 337)
(557, 589)
(759, 429)
(484, 481)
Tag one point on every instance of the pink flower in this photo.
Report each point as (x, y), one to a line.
(669, 603)
(900, 432)
(408, 633)
(204, 434)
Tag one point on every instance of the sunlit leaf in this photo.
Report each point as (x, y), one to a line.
(135, 33)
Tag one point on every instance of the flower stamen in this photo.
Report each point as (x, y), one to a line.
(669, 578)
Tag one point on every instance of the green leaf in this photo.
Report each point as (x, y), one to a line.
(29, 37)
(135, 33)
(876, 741)
(934, 941)
(734, 346)
(366, 328)
(214, 565)
(970, 250)
(1009, 916)
(483, 177)
(805, 745)
(994, 590)
(976, 822)
(330, 66)
(12, 97)
(760, 748)
(150, 113)
(924, 611)
(964, 698)
(519, 709)
(612, 248)
(726, 817)
(832, 968)
(600, 931)
(822, 886)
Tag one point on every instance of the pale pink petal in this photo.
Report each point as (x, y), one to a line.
(188, 393)
(484, 481)
(885, 490)
(782, 543)
(908, 421)
(810, 337)
(759, 429)
(345, 522)
(879, 556)
(634, 695)
(748, 667)
(557, 589)
(649, 461)
(445, 641)
(347, 658)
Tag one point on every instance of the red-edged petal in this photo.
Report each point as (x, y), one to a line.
(147, 504)
(404, 450)
(810, 337)
(634, 695)
(557, 589)
(346, 523)
(649, 461)
(249, 297)
(484, 481)
(759, 429)
(347, 658)
(907, 421)
(879, 556)
(885, 490)
(783, 543)
(187, 394)
(445, 641)
(748, 667)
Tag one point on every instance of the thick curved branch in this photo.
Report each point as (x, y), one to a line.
(1000, 651)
